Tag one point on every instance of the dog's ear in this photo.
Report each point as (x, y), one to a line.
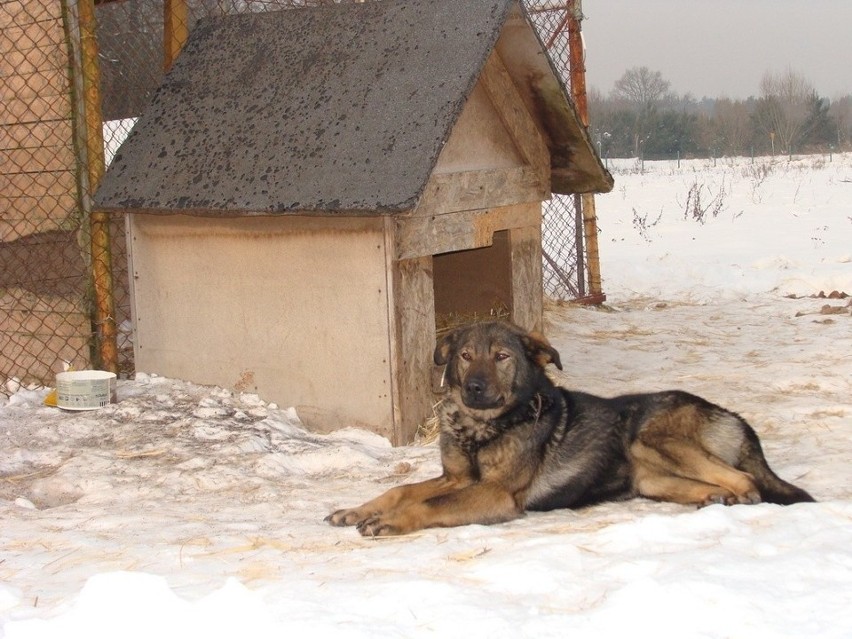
(444, 348)
(540, 351)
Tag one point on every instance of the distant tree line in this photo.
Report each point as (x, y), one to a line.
(642, 117)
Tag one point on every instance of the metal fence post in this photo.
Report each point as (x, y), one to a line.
(586, 202)
(102, 284)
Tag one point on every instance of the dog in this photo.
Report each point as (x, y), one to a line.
(512, 441)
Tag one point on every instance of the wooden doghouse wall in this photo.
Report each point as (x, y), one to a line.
(290, 307)
(474, 236)
(481, 213)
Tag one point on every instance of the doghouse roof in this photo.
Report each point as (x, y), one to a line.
(337, 108)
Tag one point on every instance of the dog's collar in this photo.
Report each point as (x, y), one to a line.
(531, 410)
(473, 435)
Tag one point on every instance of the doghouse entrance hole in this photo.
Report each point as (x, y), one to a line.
(473, 285)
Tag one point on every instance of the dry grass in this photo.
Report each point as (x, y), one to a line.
(47, 471)
(429, 430)
(444, 323)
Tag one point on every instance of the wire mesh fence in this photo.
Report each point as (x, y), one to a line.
(72, 85)
(44, 301)
(565, 268)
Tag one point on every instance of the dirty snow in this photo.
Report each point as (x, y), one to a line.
(190, 511)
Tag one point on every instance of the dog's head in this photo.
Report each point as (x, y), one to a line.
(494, 366)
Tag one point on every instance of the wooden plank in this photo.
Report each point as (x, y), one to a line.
(39, 332)
(36, 184)
(30, 135)
(35, 109)
(38, 221)
(28, 38)
(479, 140)
(472, 190)
(37, 159)
(414, 335)
(527, 295)
(459, 230)
(21, 12)
(36, 203)
(47, 83)
(23, 207)
(312, 331)
(32, 60)
(517, 120)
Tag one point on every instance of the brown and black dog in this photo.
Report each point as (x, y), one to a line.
(512, 441)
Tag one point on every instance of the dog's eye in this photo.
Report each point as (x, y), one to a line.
(501, 356)
(466, 356)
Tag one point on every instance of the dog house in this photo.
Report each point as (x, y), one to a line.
(309, 188)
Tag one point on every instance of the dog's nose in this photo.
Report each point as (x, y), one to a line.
(474, 387)
(479, 394)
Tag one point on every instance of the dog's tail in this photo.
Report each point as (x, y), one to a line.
(772, 488)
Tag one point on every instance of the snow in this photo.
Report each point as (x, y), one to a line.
(185, 510)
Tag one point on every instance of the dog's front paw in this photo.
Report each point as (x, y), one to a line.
(379, 526)
(347, 517)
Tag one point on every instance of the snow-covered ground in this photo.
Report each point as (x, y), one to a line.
(187, 511)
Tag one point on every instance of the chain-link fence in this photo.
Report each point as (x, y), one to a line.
(570, 268)
(71, 92)
(44, 302)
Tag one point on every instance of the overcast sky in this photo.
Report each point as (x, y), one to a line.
(720, 48)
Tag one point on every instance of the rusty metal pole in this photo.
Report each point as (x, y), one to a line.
(579, 246)
(104, 301)
(175, 30)
(577, 59)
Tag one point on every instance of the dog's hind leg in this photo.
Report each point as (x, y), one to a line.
(681, 471)
(655, 484)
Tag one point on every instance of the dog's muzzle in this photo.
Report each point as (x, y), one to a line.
(477, 394)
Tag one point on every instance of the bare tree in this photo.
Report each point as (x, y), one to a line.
(642, 88)
(731, 124)
(784, 111)
(841, 111)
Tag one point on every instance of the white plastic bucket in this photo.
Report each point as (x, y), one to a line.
(84, 390)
